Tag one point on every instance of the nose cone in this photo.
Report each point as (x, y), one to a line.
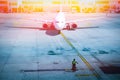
(60, 21)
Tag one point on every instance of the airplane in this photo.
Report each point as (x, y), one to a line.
(59, 23)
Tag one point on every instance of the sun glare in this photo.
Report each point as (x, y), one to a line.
(85, 6)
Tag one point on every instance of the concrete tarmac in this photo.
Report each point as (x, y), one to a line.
(33, 54)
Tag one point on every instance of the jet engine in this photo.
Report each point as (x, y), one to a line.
(45, 26)
(71, 26)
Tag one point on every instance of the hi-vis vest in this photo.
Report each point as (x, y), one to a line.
(74, 62)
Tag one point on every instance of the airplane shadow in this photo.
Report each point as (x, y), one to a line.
(52, 32)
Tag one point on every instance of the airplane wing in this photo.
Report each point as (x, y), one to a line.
(46, 21)
(68, 21)
(85, 23)
(30, 28)
(38, 21)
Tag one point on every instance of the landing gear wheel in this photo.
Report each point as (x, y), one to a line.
(59, 31)
(68, 26)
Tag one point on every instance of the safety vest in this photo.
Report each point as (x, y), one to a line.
(74, 62)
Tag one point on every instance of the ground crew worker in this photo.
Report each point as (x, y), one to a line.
(74, 65)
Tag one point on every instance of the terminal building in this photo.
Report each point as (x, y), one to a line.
(4, 5)
(83, 6)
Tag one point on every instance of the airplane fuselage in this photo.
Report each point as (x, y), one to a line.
(59, 23)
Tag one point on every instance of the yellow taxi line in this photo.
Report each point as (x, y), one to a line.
(82, 58)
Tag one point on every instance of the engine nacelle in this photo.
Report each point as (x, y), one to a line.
(49, 26)
(71, 26)
(45, 26)
(52, 27)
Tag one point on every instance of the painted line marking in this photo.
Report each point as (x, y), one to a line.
(82, 58)
(79, 75)
(41, 70)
